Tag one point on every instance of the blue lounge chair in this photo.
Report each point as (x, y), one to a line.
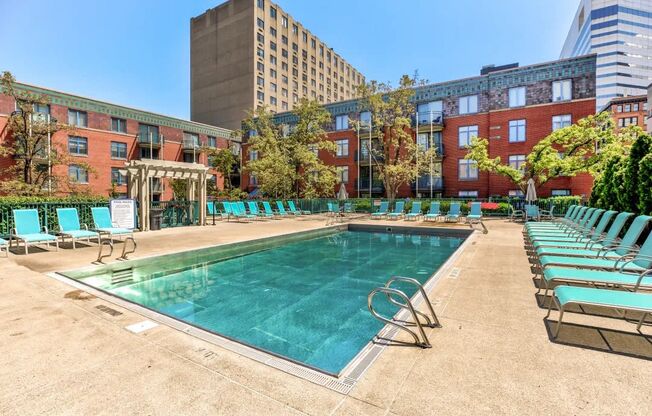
(453, 212)
(4, 244)
(27, 228)
(572, 219)
(515, 214)
(532, 212)
(433, 212)
(253, 209)
(415, 212)
(268, 210)
(382, 210)
(611, 258)
(593, 241)
(213, 212)
(281, 209)
(293, 208)
(240, 212)
(398, 210)
(70, 227)
(582, 228)
(102, 224)
(588, 296)
(475, 216)
(348, 208)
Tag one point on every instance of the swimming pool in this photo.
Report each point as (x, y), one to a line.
(302, 297)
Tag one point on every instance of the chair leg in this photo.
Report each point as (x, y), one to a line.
(26, 249)
(561, 315)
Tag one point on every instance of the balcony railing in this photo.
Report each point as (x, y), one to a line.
(428, 117)
(147, 140)
(190, 143)
(424, 183)
(376, 186)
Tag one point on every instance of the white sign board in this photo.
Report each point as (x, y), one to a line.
(123, 213)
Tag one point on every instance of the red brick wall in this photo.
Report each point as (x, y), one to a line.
(99, 137)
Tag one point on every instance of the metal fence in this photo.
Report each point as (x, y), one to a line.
(47, 213)
(175, 213)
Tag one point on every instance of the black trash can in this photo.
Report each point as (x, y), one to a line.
(155, 219)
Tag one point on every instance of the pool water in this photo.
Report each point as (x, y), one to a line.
(304, 300)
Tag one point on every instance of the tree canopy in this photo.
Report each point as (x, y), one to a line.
(397, 157)
(583, 147)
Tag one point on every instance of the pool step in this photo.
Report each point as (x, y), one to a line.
(122, 276)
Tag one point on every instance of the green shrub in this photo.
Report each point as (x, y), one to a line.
(645, 185)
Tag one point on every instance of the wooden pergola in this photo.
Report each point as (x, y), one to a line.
(139, 178)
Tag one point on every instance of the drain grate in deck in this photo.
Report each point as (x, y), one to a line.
(108, 310)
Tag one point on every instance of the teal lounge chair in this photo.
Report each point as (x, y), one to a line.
(415, 212)
(281, 209)
(253, 209)
(268, 210)
(515, 214)
(593, 242)
(228, 211)
(588, 296)
(382, 210)
(631, 258)
(475, 216)
(4, 244)
(574, 218)
(433, 212)
(103, 225)
(532, 213)
(240, 212)
(69, 227)
(571, 213)
(27, 228)
(398, 210)
(453, 212)
(293, 209)
(213, 212)
(578, 231)
(348, 208)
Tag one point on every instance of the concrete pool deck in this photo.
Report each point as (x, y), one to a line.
(61, 354)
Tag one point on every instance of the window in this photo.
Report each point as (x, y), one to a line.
(517, 161)
(517, 97)
(146, 154)
(260, 38)
(272, 100)
(342, 174)
(272, 86)
(272, 45)
(284, 79)
(284, 39)
(468, 170)
(342, 122)
(261, 4)
(560, 192)
(272, 59)
(260, 95)
(272, 31)
(635, 107)
(295, 29)
(272, 73)
(559, 122)
(41, 108)
(467, 194)
(260, 66)
(465, 134)
(147, 133)
(77, 118)
(429, 112)
(628, 108)
(260, 52)
(342, 148)
(313, 44)
(365, 118)
(627, 121)
(78, 145)
(190, 157)
(261, 81)
(77, 174)
(261, 23)
(118, 150)
(119, 125)
(212, 141)
(284, 105)
(515, 193)
(516, 131)
(284, 54)
(284, 22)
(304, 36)
(561, 90)
(272, 12)
(117, 177)
(190, 140)
(253, 155)
(253, 180)
(469, 104)
(619, 109)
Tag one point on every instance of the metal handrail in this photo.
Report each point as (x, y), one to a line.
(434, 323)
(124, 254)
(101, 244)
(388, 291)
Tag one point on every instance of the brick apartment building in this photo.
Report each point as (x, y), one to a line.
(513, 107)
(107, 136)
(628, 111)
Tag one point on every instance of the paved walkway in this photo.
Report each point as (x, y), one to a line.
(60, 354)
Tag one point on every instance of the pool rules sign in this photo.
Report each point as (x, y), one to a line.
(123, 213)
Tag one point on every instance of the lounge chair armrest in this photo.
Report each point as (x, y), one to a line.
(628, 258)
(45, 229)
(85, 227)
(643, 274)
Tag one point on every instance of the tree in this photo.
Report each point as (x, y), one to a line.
(397, 157)
(645, 185)
(608, 186)
(223, 160)
(27, 140)
(630, 195)
(287, 163)
(179, 189)
(565, 152)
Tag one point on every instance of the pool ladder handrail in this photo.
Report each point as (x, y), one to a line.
(124, 254)
(422, 342)
(101, 244)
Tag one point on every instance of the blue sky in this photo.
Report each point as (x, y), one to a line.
(136, 52)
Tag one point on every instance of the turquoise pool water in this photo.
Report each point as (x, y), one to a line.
(305, 300)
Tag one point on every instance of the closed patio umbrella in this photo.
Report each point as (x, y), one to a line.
(531, 194)
(341, 194)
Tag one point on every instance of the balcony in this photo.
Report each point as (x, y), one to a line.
(428, 120)
(190, 144)
(424, 184)
(153, 140)
(376, 186)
